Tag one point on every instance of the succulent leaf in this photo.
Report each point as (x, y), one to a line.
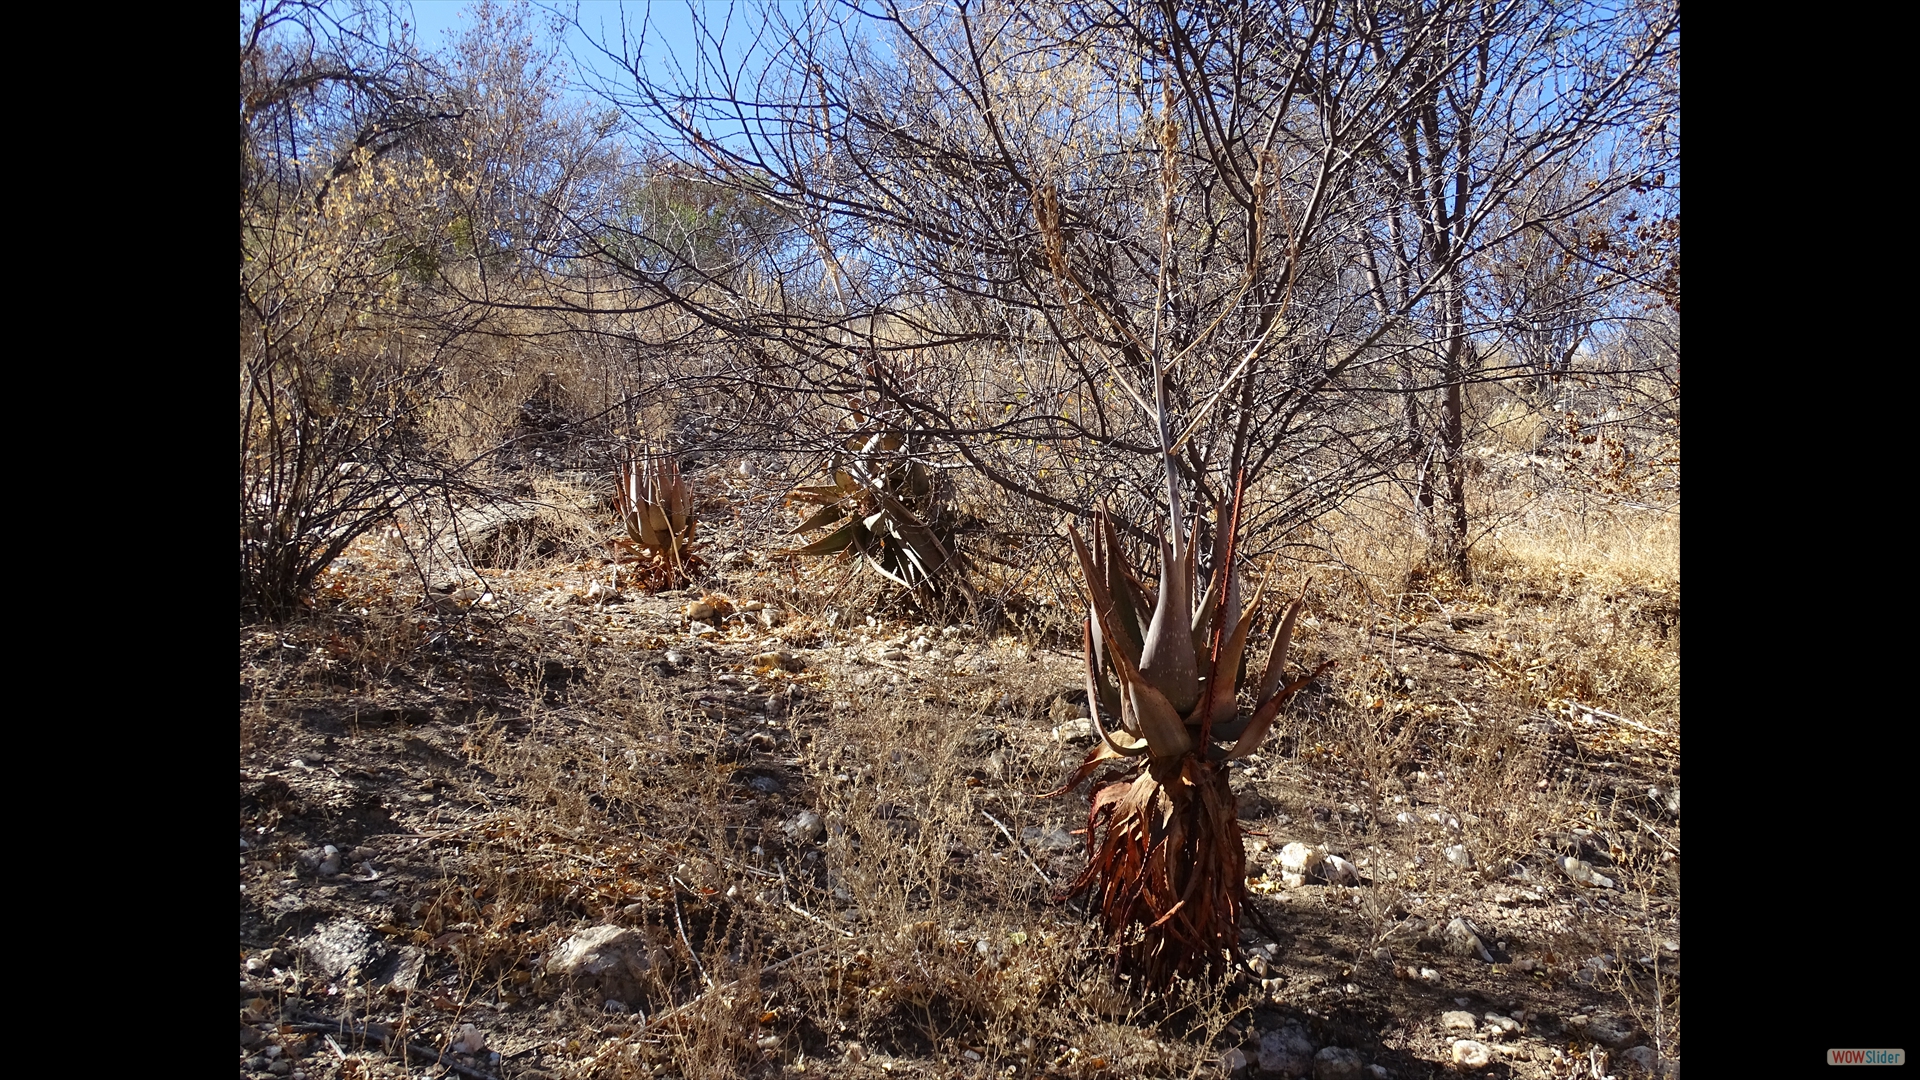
(1166, 656)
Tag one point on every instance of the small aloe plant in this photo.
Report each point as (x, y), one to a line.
(886, 509)
(656, 507)
(1164, 848)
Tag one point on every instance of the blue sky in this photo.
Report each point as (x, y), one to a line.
(670, 27)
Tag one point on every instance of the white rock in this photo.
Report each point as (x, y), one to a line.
(1583, 873)
(613, 959)
(1336, 1063)
(806, 827)
(1078, 730)
(1298, 862)
(1463, 939)
(1286, 1052)
(1233, 1061)
(1459, 856)
(1458, 1020)
(1471, 1054)
(1609, 1031)
(1339, 871)
(1642, 1059)
(469, 1040)
(1498, 1025)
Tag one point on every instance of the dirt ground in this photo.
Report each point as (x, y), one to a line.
(818, 814)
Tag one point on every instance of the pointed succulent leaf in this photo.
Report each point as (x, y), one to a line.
(1098, 693)
(837, 540)
(1101, 601)
(826, 515)
(1226, 669)
(1153, 716)
(1166, 656)
(1263, 716)
(1129, 599)
(817, 494)
(1277, 654)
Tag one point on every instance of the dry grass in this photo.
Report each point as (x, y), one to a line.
(1506, 719)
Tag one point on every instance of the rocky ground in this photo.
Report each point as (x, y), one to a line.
(540, 822)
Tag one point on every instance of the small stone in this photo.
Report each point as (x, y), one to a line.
(1463, 940)
(1339, 871)
(1233, 1062)
(1498, 1025)
(1379, 1072)
(1472, 1054)
(1428, 976)
(469, 1040)
(1609, 1031)
(767, 1042)
(612, 959)
(1583, 873)
(701, 611)
(1458, 1021)
(1336, 1063)
(806, 827)
(1592, 970)
(1286, 1052)
(1298, 862)
(280, 1067)
(615, 1005)
(406, 974)
(1078, 730)
(1459, 856)
(1641, 1059)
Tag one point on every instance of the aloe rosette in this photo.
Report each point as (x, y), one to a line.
(1163, 846)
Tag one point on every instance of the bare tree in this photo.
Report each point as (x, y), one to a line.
(1004, 221)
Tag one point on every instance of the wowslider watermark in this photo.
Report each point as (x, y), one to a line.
(1866, 1057)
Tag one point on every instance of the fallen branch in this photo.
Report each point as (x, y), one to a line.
(1018, 847)
(1636, 725)
(314, 1023)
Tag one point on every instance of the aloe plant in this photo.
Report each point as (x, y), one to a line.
(884, 508)
(656, 507)
(1163, 845)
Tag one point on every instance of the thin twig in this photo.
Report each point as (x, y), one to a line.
(662, 1018)
(1604, 715)
(1018, 847)
(1651, 831)
(314, 1023)
(681, 924)
(798, 910)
